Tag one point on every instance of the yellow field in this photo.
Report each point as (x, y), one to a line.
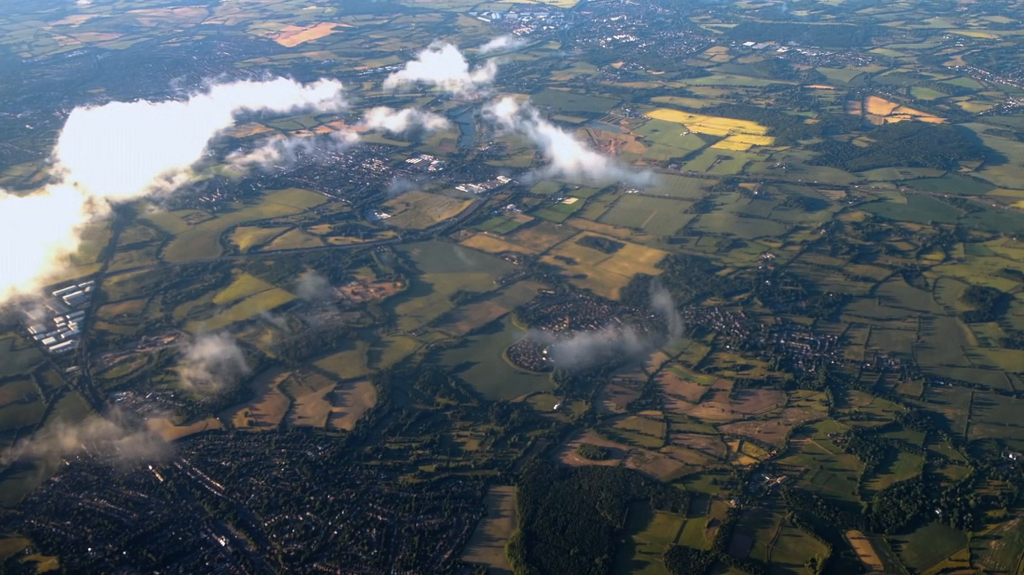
(880, 106)
(711, 125)
(245, 237)
(245, 309)
(490, 244)
(974, 107)
(605, 274)
(977, 34)
(170, 432)
(346, 364)
(309, 392)
(267, 408)
(727, 144)
(743, 142)
(418, 210)
(247, 130)
(608, 230)
(292, 35)
(865, 551)
(243, 286)
(487, 544)
(129, 307)
(11, 546)
(349, 402)
(397, 348)
(294, 240)
(881, 111)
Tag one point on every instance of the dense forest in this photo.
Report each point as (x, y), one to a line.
(905, 144)
(569, 518)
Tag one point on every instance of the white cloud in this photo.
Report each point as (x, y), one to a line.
(502, 43)
(568, 158)
(313, 287)
(124, 150)
(112, 436)
(442, 65)
(37, 232)
(284, 151)
(399, 121)
(211, 364)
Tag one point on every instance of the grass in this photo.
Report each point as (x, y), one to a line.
(349, 363)
(202, 239)
(792, 549)
(473, 316)
(17, 357)
(952, 184)
(660, 217)
(294, 239)
(444, 269)
(391, 350)
(648, 535)
(929, 545)
(739, 226)
(309, 394)
(604, 273)
(418, 210)
(681, 187)
(844, 75)
(666, 140)
(1000, 549)
(500, 225)
(694, 533)
(492, 245)
(22, 412)
(754, 534)
(245, 309)
(479, 361)
(21, 390)
(906, 466)
(243, 286)
(566, 101)
(643, 426)
(827, 470)
(918, 209)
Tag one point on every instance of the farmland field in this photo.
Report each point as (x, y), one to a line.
(656, 216)
(761, 261)
(487, 545)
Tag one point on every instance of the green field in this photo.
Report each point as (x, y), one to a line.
(918, 209)
(952, 184)
(479, 361)
(445, 268)
(648, 535)
(572, 102)
(734, 225)
(668, 140)
(680, 187)
(928, 545)
(348, 363)
(202, 240)
(905, 466)
(659, 217)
